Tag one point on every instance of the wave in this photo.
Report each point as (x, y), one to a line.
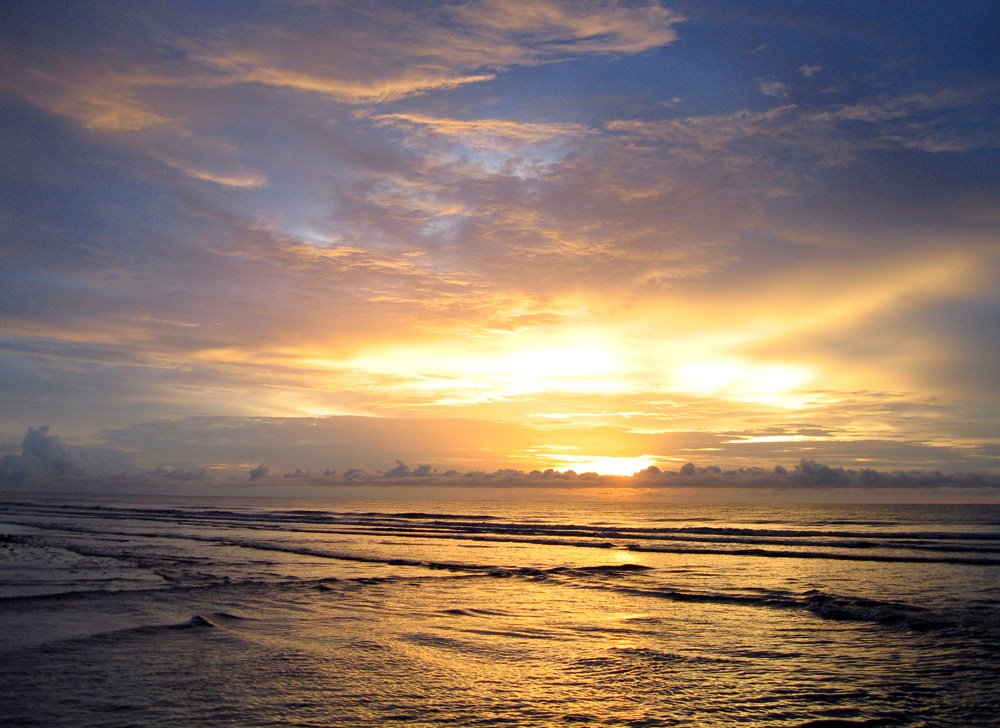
(417, 515)
(848, 723)
(753, 552)
(626, 579)
(879, 552)
(61, 595)
(197, 622)
(830, 555)
(830, 542)
(453, 519)
(458, 612)
(821, 604)
(861, 609)
(602, 569)
(469, 525)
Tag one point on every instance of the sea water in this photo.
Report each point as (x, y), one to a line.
(120, 611)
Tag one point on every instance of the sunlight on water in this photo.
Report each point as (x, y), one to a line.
(339, 613)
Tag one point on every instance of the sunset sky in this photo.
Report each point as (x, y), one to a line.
(497, 234)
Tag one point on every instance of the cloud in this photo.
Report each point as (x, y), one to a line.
(44, 456)
(108, 113)
(776, 482)
(574, 25)
(790, 124)
(368, 53)
(376, 53)
(494, 135)
(809, 474)
(179, 474)
(400, 471)
(781, 152)
(296, 211)
(46, 462)
(248, 69)
(236, 180)
(916, 120)
(776, 89)
(320, 445)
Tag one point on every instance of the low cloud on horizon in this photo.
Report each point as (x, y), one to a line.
(46, 464)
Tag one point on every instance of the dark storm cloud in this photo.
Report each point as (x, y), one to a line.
(259, 472)
(45, 457)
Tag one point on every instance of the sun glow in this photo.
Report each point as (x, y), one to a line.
(606, 465)
(452, 373)
(773, 384)
(597, 361)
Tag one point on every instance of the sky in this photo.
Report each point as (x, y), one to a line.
(500, 234)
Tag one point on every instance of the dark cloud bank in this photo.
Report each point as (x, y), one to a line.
(805, 474)
(45, 459)
(45, 463)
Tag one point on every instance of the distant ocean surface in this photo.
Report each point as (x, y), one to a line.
(130, 611)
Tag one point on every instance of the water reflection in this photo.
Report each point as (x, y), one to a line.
(504, 615)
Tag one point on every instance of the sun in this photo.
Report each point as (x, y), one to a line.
(606, 465)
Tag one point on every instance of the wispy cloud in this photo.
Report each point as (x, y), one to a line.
(496, 135)
(562, 26)
(237, 180)
(777, 89)
(248, 69)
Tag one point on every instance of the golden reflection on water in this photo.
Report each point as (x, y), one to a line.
(616, 495)
(585, 647)
(445, 630)
(625, 557)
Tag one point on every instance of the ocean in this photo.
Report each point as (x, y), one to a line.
(142, 611)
